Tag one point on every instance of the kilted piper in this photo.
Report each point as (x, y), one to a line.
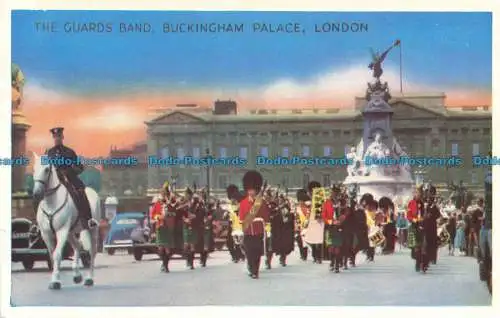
(190, 227)
(165, 214)
(253, 214)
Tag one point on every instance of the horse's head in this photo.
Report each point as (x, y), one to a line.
(42, 177)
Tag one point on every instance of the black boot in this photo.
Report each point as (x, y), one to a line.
(187, 255)
(203, 259)
(191, 260)
(352, 260)
(332, 264)
(283, 260)
(344, 258)
(304, 250)
(338, 261)
(268, 263)
(165, 259)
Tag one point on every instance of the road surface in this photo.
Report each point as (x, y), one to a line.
(389, 281)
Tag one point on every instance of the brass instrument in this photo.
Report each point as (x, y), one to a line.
(319, 196)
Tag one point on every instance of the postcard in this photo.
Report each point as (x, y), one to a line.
(189, 158)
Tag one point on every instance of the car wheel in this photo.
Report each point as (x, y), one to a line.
(28, 264)
(138, 254)
(111, 251)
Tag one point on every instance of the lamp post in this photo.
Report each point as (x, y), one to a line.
(207, 152)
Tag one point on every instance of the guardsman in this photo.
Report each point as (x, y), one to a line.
(68, 172)
(389, 227)
(254, 215)
(315, 229)
(190, 228)
(164, 214)
(415, 215)
(302, 218)
(331, 214)
(287, 230)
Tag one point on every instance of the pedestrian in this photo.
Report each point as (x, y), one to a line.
(459, 241)
(451, 227)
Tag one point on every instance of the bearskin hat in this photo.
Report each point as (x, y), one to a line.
(313, 185)
(385, 203)
(302, 195)
(367, 198)
(252, 180)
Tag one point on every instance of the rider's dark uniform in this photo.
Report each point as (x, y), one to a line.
(68, 174)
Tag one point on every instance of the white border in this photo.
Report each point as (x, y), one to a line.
(256, 5)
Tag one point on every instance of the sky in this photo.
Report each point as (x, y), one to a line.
(101, 85)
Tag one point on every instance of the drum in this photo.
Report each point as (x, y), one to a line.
(376, 236)
(237, 237)
(443, 236)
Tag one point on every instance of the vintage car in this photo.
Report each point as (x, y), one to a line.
(120, 229)
(28, 246)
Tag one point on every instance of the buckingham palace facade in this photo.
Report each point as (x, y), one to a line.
(421, 124)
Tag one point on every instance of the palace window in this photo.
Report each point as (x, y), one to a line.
(326, 180)
(222, 182)
(196, 152)
(285, 152)
(264, 151)
(223, 152)
(475, 149)
(454, 149)
(306, 151)
(164, 152)
(473, 177)
(327, 151)
(180, 153)
(244, 152)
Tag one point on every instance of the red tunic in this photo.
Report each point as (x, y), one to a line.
(415, 207)
(256, 228)
(328, 212)
(156, 210)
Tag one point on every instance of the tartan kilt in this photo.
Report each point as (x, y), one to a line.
(333, 238)
(189, 235)
(165, 236)
(415, 237)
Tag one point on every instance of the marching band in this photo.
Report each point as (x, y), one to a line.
(329, 221)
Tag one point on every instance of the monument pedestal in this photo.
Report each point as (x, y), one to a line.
(19, 129)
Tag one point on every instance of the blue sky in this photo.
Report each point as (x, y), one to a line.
(447, 49)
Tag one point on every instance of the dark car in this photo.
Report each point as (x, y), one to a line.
(120, 230)
(28, 246)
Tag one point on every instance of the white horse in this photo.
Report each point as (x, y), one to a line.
(57, 218)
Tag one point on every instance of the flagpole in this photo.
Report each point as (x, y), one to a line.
(400, 68)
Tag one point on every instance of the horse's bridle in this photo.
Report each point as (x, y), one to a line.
(49, 191)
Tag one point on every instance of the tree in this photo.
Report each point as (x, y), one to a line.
(91, 177)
